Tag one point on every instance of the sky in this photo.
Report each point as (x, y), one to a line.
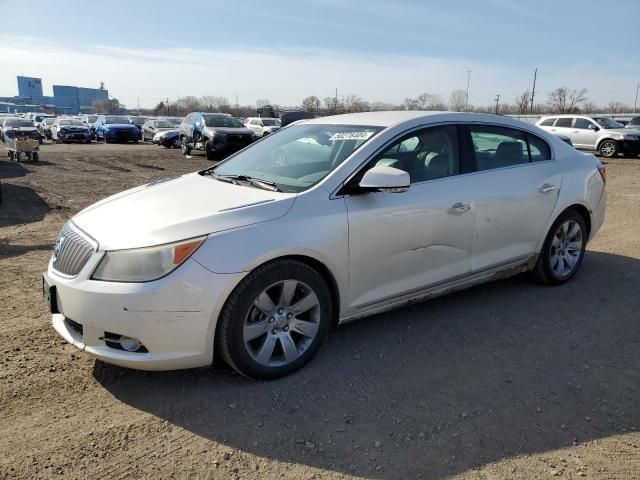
(285, 50)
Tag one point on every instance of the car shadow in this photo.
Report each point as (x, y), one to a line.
(20, 205)
(12, 170)
(435, 389)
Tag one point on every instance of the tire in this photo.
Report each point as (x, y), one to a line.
(551, 267)
(608, 148)
(270, 329)
(184, 147)
(209, 151)
(135, 141)
(106, 140)
(35, 156)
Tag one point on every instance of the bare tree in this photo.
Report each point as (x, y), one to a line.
(332, 105)
(563, 100)
(311, 104)
(457, 100)
(262, 102)
(617, 107)
(589, 107)
(428, 101)
(381, 106)
(214, 103)
(410, 104)
(522, 101)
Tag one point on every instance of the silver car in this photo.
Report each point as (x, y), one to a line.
(256, 258)
(597, 133)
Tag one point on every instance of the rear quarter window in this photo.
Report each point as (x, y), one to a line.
(564, 122)
(548, 122)
(539, 150)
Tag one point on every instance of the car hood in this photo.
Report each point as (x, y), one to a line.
(21, 129)
(177, 208)
(120, 125)
(231, 131)
(619, 130)
(166, 129)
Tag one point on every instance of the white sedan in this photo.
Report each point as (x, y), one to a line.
(257, 258)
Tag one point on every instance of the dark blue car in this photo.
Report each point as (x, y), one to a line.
(116, 129)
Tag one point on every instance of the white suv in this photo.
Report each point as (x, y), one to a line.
(594, 133)
(262, 126)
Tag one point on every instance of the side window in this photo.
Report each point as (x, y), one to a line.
(583, 123)
(564, 122)
(498, 147)
(548, 122)
(538, 149)
(425, 154)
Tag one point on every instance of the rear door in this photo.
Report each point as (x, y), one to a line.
(515, 191)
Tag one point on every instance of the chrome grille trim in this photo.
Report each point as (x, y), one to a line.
(72, 251)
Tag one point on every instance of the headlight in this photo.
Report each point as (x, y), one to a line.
(144, 264)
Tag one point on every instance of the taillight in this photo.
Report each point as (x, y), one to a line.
(603, 172)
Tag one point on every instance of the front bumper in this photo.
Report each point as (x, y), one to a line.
(231, 143)
(74, 136)
(630, 147)
(122, 135)
(174, 317)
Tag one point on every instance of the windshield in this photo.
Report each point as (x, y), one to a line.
(113, 120)
(270, 122)
(92, 118)
(298, 157)
(138, 120)
(17, 122)
(76, 123)
(173, 121)
(163, 124)
(222, 121)
(606, 122)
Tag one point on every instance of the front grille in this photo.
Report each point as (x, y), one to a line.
(72, 252)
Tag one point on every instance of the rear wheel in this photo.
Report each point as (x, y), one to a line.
(35, 156)
(275, 320)
(563, 249)
(608, 148)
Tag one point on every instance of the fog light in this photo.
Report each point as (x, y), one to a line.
(129, 344)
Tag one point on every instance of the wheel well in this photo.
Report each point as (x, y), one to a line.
(604, 140)
(584, 213)
(327, 276)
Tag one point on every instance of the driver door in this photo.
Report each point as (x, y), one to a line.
(401, 243)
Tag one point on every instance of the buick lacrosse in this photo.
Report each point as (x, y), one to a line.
(328, 220)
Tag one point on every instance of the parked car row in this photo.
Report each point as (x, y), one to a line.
(601, 134)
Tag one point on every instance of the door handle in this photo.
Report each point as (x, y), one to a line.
(547, 187)
(458, 208)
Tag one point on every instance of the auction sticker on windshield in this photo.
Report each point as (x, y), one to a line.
(351, 136)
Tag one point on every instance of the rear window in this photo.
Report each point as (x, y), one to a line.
(548, 122)
(564, 122)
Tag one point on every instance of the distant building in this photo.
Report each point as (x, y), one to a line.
(69, 99)
(66, 99)
(29, 87)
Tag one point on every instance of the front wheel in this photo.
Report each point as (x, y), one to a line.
(275, 320)
(209, 151)
(608, 148)
(563, 249)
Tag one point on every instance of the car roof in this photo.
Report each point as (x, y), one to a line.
(391, 118)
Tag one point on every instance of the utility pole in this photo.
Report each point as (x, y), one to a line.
(167, 104)
(533, 91)
(138, 106)
(335, 105)
(466, 102)
(635, 104)
(497, 99)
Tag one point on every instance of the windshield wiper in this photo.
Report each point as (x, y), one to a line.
(255, 182)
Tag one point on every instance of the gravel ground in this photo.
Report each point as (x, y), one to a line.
(505, 380)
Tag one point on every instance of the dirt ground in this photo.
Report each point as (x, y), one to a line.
(506, 380)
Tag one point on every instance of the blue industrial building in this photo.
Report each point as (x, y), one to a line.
(65, 100)
(29, 87)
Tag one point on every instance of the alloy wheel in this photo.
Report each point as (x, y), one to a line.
(281, 323)
(566, 248)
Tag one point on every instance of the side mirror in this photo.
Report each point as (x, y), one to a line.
(385, 179)
(593, 127)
